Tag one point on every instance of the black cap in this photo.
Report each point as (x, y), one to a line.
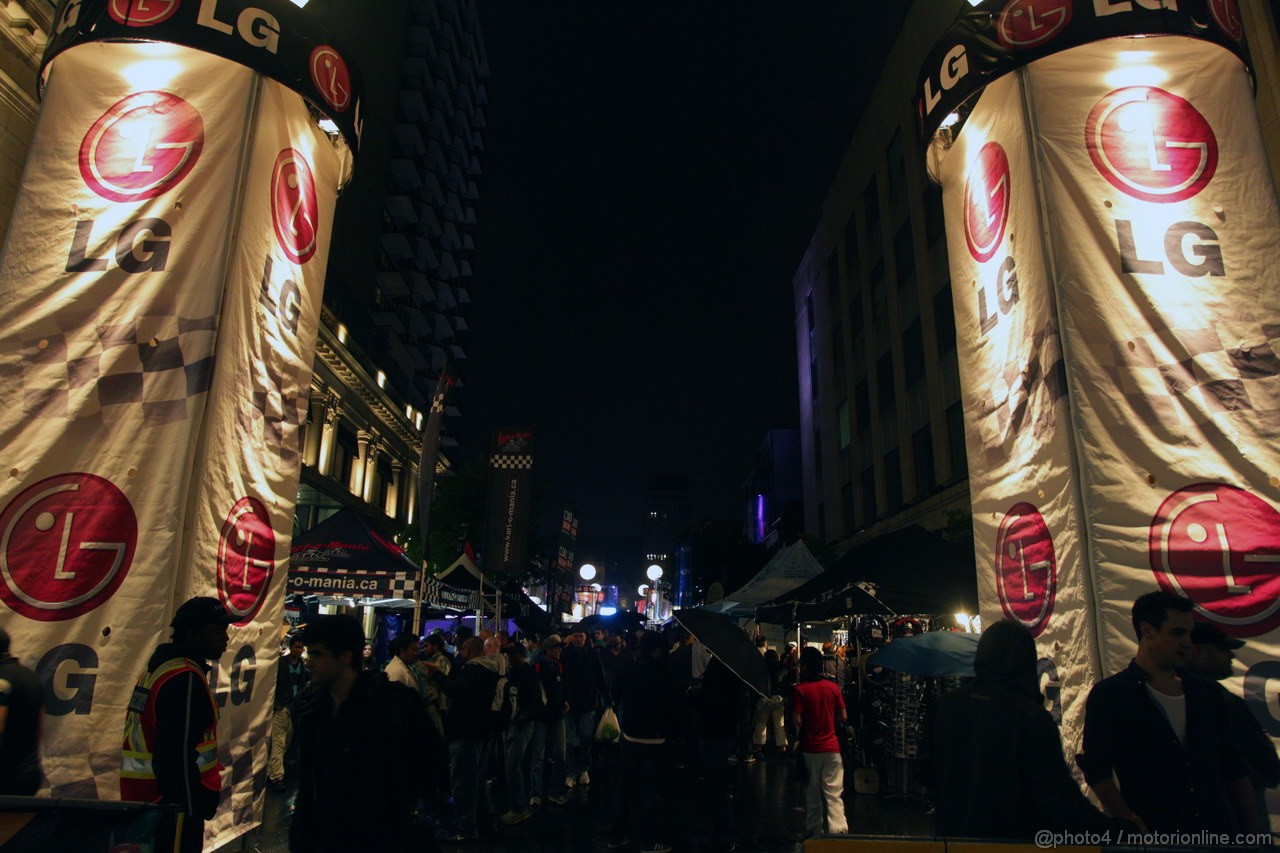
(1205, 634)
(200, 611)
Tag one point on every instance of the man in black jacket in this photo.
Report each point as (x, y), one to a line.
(582, 677)
(1155, 744)
(359, 749)
(996, 754)
(291, 678)
(522, 682)
(1212, 652)
(548, 730)
(646, 696)
(471, 725)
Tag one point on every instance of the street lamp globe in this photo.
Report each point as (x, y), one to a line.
(654, 572)
(643, 589)
(587, 572)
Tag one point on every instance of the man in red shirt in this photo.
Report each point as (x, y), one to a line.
(816, 707)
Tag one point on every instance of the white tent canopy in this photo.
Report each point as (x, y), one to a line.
(786, 570)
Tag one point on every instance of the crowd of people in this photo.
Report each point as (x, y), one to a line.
(455, 737)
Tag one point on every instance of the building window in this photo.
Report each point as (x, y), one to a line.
(893, 481)
(833, 278)
(934, 219)
(822, 521)
(955, 438)
(885, 393)
(862, 405)
(837, 357)
(944, 320)
(922, 453)
(847, 508)
(913, 353)
(842, 420)
(855, 315)
(851, 252)
(869, 513)
(904, 253)
(817, 460)
(871, 207)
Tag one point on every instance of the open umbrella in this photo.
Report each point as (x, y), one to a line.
(931, 654)
(728, 643)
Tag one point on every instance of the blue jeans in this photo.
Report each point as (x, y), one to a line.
(468, 761)
(580, 731)
(548, 746)
(518, 738)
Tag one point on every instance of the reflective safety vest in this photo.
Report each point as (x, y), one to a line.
(137, 766)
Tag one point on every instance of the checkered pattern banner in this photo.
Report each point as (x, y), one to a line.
(502, 462)
(156, 363)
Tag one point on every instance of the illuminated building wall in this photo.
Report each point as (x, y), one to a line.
(882, 427)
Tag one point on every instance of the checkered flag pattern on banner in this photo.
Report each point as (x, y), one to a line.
(279, 402)
(403, 586)
(1176, 376)
(71, 372)
(88, 775)
(514, 461)
(1006, 411)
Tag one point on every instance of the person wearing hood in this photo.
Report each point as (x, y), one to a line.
(471, 725)
(170, 752)
(996, 753)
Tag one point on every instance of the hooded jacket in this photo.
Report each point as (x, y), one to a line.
(996, 753)
(472, 714)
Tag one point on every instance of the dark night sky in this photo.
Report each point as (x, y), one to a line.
(652, 174)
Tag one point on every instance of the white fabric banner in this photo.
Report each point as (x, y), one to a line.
(111, 283)
(247, 462)
(1165, 228)
(161, 283)
(1017, 430)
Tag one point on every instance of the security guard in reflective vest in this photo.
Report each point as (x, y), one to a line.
(171, 728)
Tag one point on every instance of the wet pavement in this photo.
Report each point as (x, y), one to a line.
(768, 812)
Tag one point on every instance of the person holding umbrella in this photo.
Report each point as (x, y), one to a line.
(816, 708)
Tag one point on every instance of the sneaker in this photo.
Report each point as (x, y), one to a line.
(584, 779)
(656, 847)
(511, 818)
(569, 781)
(750, 759)
(616, 843)
(558, 799)
(535, 801)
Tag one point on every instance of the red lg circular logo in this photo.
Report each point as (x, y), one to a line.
(330, 75)
(141, 147)
(142, 13)
(986, 202)
(1151, 144)
(246, 558)
(1028, 23)
(294, 206)
(66, 544)
(1220, 546)
(1026, 568)
(1226, 14)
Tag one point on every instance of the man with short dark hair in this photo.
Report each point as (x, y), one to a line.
(582, 675)
(360, 745)
(170, 752)
(21, 720)
(548, 729)
(471, 727)
(404, 654)
(1212, 652)
(1155, 748)
(816, 707)
(291, 677)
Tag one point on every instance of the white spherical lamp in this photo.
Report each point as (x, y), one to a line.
(653, 572)
(587, 572)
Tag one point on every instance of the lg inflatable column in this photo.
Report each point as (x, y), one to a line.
(1111, 229)
(161, 284)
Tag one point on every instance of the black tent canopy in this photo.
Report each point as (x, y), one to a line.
(910, 571)
(346, 541)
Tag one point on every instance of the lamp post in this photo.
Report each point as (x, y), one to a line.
(587, 573)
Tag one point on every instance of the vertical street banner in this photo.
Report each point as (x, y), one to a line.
(1022, 480)
(240, 516)
(161, 284)
(430, 450)
(510, 501)
(1159, 219)
(562, 567)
